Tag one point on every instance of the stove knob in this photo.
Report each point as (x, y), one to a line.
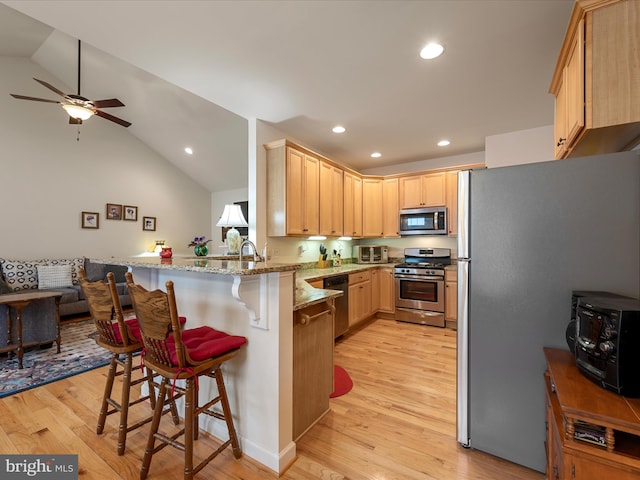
(609, 333)
(607, 347)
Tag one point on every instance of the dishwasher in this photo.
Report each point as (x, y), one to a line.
(341, 321)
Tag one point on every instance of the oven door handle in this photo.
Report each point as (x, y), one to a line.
(420, 277)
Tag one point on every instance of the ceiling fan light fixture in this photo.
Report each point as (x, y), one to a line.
(78, 112)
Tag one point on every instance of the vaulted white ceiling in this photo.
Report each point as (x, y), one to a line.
(192, 72)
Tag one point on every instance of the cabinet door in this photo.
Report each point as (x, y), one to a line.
(302, 193)
(375, 290)
(451, 302)
(452, 203)
(433, 190)
(372, 207)
(312, 365)
(331, 200)
(574, 79)
(387, 294)
(390, 208)
(352, 205)
(355, 300)
(295, 203)
(410, 191)
(580, 468)
(560, 121)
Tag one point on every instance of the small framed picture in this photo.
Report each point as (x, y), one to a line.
(149, 224)
(114, 212)
(130, 213)
(90, 220)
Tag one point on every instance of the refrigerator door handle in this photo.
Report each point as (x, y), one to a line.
(464, 178)
(462, 365)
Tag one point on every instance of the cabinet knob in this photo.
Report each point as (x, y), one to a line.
(561, 141)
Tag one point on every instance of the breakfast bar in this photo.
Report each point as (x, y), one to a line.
(255, 300)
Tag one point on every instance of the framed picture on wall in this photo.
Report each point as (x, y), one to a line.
(130, 213)
(90, 220)
(244, 231)
(114, 211)
(149, 224)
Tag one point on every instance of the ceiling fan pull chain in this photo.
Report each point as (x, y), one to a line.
(78, 136)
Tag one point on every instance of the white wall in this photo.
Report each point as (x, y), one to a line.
(48, 178)
(516, 148)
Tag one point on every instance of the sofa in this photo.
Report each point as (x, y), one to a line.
(60, 275)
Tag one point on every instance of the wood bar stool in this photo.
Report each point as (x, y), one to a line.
(122, 339)
(182, 355)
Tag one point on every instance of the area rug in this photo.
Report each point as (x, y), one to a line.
(78, 353)
(342, 382)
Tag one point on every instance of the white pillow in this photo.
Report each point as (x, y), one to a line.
(54, 276)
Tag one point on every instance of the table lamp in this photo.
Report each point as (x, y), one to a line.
(232, 217)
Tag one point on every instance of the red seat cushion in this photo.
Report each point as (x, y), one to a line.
(134, 328)
(205, 342)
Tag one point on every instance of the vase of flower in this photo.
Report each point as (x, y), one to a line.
(200, 247)
(201, 250)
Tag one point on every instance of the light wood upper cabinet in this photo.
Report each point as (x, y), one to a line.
(331, 200)
(597, 80)
(372, 208)
(352, 205)
(452, 203)
(569, 113)
(390, 208)
(293, 203)
(426, 190)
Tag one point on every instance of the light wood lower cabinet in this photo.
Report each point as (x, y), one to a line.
(451, 298)
(359, 297)
(312, 364)
(384, 298)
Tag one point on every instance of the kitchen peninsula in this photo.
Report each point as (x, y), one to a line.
(256, 300)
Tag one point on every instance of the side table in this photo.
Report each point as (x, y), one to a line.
(19, 302)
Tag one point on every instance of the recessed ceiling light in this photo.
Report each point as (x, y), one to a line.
(376, 155)
(339, 129)
(443, 143)
(188, 150)
(432, 50)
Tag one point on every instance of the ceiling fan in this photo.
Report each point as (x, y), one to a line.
(78, 107)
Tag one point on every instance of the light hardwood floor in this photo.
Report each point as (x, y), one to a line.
(398, 422)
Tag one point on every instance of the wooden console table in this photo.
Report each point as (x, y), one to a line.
(574, 404)
(19, 302)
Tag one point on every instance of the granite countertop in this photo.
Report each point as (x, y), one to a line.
(319, 273)
(219, 265)
(306, 295)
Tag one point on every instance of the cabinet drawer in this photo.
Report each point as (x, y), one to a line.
(359, 277)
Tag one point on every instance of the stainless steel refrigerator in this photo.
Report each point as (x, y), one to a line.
(527, 236)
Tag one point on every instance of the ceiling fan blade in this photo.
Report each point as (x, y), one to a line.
(117, 120)
(75, 121)
(51, 87)
(111, 102)
(22, 97)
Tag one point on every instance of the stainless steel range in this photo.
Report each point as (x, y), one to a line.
(420, 286)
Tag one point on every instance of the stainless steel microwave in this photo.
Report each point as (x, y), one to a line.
(423, 221)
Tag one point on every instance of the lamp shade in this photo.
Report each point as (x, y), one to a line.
(78, 112)
(232, 217)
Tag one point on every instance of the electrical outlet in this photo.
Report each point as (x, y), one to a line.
(275, 252)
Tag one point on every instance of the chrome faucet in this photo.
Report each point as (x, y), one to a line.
(256, 256)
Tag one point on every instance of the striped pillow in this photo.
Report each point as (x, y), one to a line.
(54, 276)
